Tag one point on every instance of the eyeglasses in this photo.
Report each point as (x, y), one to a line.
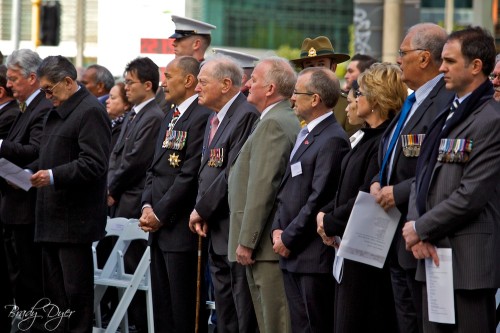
(303, 93)
(130, 82)
(49, 91)
(494, 76)
(358, 93)
(403, 53)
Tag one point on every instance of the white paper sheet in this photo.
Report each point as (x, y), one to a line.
(338, 263)
(439, 282)
(14, 174)
(369, 232)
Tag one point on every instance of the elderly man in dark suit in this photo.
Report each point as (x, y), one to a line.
(134, 149)
(454, 200)
(419, 59)
(309, 183)
(218, 88)
(71, 182)
(253, 185)
(17, 208)
(169, 198)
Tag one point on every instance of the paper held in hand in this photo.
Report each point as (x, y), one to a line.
(15, 175)
(369, 232)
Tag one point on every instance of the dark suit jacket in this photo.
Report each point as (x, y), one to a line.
(131, 158)
(7, 116)
(358, 168)
(255, 178)
(462, 203)
(212, 202)
(171, 189)
(403, 168)
(22, 147)
(75, 145)
(301, 197)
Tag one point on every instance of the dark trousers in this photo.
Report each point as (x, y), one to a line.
(474, 312)
(233, 302)
(68, 282)
(174, 283)
(6, 297)
(407, 298)
(364, 301)
(310, 300)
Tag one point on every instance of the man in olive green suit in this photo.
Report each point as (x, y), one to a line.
(254, 180)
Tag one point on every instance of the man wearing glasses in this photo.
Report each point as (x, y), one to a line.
(17, 209)
(134, 150)
(308, 185)
(71, 181)
(419, 59)
(495, 78)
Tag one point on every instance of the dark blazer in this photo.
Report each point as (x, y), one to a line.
(75, 145)
(7, 116)
(21, 147)
(301, 197)
(212, 200)
(115, 134)
(171, 188)
(131, 158)
(359, 166)
(403, 168)
(462, 203)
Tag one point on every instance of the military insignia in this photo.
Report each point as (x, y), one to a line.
(216, 158)
(312, 52)
(174, 160)
(411, 144)
(454, 150)
(174, 139)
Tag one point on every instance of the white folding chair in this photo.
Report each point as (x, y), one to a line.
(113, 275)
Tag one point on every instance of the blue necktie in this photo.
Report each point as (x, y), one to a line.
(402, 118)
(302, 135)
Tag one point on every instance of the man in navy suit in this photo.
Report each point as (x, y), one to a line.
(219, 84)
(309, 183)
(169, 198)
(419, 59)
(21, 146)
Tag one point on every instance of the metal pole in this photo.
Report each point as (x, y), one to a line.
(80, 32)
(35, 22)
(449, 10)
(16, 23)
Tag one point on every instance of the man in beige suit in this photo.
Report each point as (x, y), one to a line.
(253, 185)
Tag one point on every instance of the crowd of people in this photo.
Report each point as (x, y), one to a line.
(255, 165)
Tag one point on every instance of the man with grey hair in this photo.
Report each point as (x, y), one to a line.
(309, 183)
(98, 80)
(495, 78)
(71, 180)
(219, 83)
(253, 185)
(17, 208)
(419, 59)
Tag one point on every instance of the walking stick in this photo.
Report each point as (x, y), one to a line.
(198, 285)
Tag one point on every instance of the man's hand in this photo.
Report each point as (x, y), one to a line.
(278, 246)
(329, 241)
(111, 201)
(375, 188)
(41, 179)
(197, 225)
(423, 250)
(385, 197)
(244, 255)
(410, 235)
(148, 221)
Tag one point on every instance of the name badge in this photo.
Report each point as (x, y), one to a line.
(296, 169)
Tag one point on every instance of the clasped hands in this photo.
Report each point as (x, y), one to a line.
(148, 221)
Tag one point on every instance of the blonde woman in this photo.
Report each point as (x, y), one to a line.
(363, 299)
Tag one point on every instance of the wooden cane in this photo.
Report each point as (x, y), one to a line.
(198, 286)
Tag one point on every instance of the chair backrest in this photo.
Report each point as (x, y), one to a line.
(115, 226)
